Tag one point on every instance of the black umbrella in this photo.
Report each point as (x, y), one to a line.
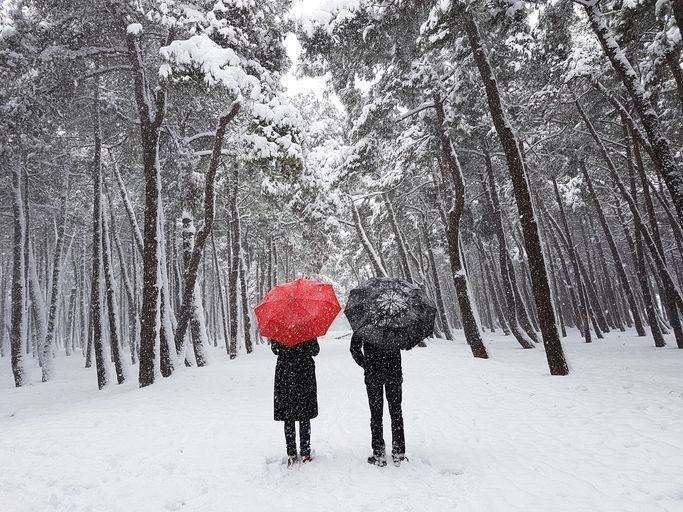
(390, 313)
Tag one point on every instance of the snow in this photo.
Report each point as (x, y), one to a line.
(218, 65)
(498, 435)
(134, 29)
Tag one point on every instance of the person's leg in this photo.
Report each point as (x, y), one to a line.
(376, 402)
(305, 437)
(290, 437)
(394, 397)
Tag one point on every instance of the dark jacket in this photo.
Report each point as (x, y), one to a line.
(296, 391)
(379, 365)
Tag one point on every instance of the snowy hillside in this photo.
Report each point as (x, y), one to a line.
(482, 435)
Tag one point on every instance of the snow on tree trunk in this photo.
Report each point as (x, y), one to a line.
(618, 264)
(167, 351)
(400, 242)
(641, 272)
(37, 305)
(133, 318)
(197, 323)
(677, 8)
(372, 254)
(467, 315)
(244, 298)
(222, 300)
(192, 268)
(233, 273)
(18, 328)
(504, 260)
(151, 110)
(541, 289)
(137, 236)
(437, 284)
(672, 295)
(47, 345)
(112, 306)
(661, 150)
(95, 297)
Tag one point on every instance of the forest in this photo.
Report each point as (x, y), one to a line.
(163, 164)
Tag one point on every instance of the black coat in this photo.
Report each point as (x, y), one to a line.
(296, 392)
(379, 365)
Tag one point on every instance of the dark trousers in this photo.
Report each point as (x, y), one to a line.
(304, 437)
(376, 392)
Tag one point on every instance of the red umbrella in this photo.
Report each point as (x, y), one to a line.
(298, 311)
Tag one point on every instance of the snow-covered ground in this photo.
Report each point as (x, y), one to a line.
(495, 435)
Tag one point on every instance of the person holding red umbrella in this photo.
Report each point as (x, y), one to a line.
(296, 394)
(293, 316)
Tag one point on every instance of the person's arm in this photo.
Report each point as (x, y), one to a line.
(313, 347)
(275, 347)
(357, 350)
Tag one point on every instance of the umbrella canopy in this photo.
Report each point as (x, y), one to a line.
(391, 313)
(298, 311)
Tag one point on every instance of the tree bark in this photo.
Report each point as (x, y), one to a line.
(112, 306)
(618, 263)
(151, 111)
(244, 298)
(437, 284)
(374, 258)
(47, 346)
(198, 332)
(672, 296)
(205, 231)
(504, 262)
(541, 289)
(400, 242)
(18, 337)
(670, 290)
(661, 150)
(95, 298)
(469, 320)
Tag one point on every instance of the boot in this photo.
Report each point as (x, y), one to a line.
(291, 460)
(378, 459)
(397, 458)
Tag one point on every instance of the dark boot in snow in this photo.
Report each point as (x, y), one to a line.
(398, 458)
(378, 459)
(291, 460)
(306, 458)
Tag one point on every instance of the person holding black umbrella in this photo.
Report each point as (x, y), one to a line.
(383, 374)
(387, 315)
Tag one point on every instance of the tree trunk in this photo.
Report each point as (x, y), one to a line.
(661, 151)
(504, 261)
(48, 354)
(400, 242)
(374, 258)
(437, 284)
(233, 276)
(618, 263)
(672, 294)
(541, 289)
(469, 320)
(133, 318)
(198, 332)
(565, 236)
(151, 111)
(244, 298)
(205, 231)
(95, 298)
(112, 306)
(18, 337)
